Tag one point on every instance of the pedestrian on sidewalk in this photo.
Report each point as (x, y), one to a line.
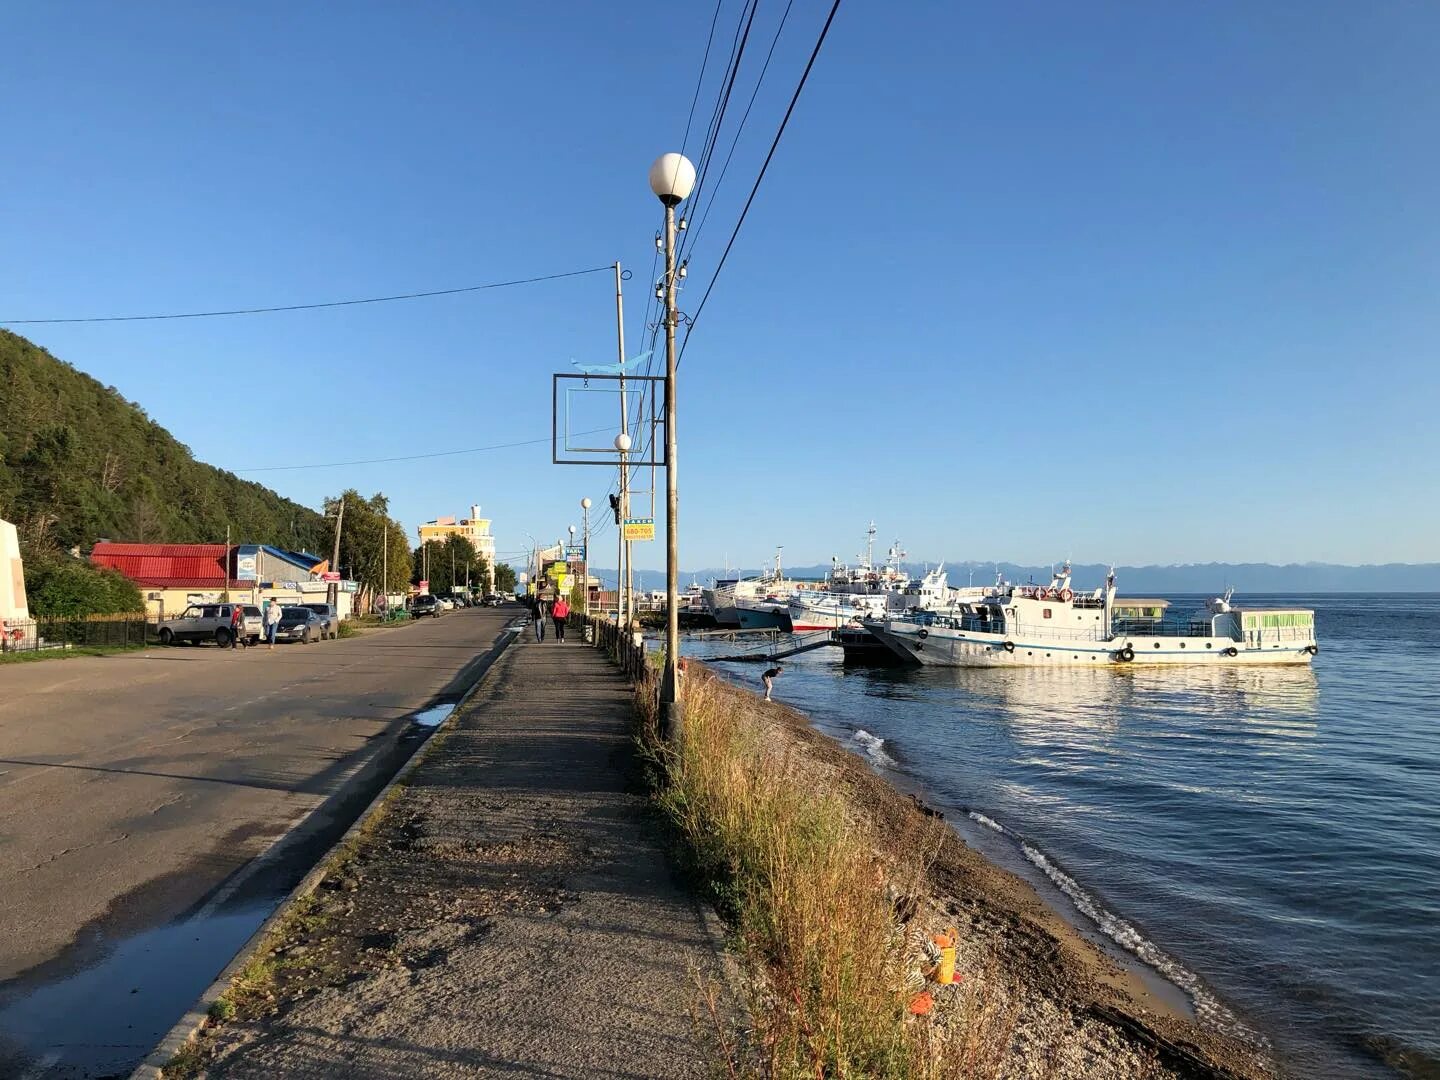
(272, 621)
(539, 620)
(560, 612)
(237, 627)
(771, 674)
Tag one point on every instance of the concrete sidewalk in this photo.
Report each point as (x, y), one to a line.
(512, 915)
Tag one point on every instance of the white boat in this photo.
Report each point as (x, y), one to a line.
(758, 595)
(852, 593)
(1040, 626)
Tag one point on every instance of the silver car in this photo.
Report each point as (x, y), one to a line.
(329, 616)
(208, 622)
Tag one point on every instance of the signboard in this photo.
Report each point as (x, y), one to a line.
(574, 552)
(245, 567)
(330, 575)
(639, 528)
(423, 587)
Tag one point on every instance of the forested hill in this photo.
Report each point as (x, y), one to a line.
(79, 462)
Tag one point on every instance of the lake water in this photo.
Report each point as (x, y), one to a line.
(1267, 837)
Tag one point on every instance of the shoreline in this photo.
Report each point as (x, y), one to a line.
(1058, 967)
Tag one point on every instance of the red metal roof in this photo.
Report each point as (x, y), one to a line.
(165, 565)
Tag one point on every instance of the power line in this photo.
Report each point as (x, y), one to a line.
(717, 120)
(746, 210)
(699, 82)
(311, 307)
(410, 457)
(693, 234)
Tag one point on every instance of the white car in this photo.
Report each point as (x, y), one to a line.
(446, 603)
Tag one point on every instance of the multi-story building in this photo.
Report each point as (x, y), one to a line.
(474, 528)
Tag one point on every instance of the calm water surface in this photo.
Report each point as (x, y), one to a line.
(1267, 837)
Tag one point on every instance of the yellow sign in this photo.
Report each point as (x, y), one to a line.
(639, 528)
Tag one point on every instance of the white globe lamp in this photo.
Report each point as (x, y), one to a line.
(672, 178)
(622, 443)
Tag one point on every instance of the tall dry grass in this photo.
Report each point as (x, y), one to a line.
(799, 879)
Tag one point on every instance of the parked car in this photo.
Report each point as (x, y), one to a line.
(445, 603)
(329, 615)
(207, 622)
(459, 601)
(491, 600)
(299, 624)
(425, 604)
(254, 622)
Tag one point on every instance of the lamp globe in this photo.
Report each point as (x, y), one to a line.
(672, 178)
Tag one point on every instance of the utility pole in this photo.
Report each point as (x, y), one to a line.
(672, 178)
(227, 562)
(622, 546)
(332, 594)
(585, 552)
(385, 567)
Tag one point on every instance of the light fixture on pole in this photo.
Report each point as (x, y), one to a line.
(672, 178)
(585, 552)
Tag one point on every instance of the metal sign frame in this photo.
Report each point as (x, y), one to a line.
(651, 387)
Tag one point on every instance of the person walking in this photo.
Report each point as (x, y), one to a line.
(771, 674)
(539, 620)
(237, 627)
(560, 612)
(272, 621)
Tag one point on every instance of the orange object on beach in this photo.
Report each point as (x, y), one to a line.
(921, 1004)
(945, 970)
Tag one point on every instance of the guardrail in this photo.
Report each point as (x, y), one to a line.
(83, 631)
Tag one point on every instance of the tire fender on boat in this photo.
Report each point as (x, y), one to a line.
(1313, 650)
(923, 634)
(1125, 654)
(1232, 651)
(1008, 646)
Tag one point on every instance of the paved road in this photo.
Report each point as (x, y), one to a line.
(132, 787)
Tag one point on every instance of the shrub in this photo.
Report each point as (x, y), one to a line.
(71, 588)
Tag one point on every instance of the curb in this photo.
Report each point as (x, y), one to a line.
(179, 1036)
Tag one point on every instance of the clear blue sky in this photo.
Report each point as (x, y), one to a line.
(1133, 282)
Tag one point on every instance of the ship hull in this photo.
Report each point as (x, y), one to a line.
(945, 648)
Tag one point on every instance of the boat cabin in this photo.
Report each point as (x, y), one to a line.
(1138, 614)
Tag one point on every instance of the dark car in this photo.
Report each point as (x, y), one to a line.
(492, 600)
(425, 605)
(329, 616)
(299, 624)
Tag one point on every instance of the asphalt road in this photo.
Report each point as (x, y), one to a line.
(136, 788)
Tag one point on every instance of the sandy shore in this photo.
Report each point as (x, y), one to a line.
(1035, 997)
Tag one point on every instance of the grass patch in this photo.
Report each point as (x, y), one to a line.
(800, 881)
(347, 630)
(67, 654)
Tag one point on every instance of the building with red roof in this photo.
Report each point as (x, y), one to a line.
(172, 576)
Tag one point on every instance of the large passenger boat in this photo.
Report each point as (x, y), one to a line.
(1039, 626)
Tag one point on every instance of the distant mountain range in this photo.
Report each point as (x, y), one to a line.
(1208, 578)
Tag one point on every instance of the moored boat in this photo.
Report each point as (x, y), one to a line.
(1037, 626)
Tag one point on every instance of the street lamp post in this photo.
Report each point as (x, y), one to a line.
(672, 178)
(623, 599)
(585, 551)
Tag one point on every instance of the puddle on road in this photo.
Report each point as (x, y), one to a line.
(434, 716)
(103, 1020)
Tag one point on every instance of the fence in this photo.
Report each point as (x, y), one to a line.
(621, 647)
(84, 631)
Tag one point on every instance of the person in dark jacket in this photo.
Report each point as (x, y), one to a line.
(771, 674)
(539, 620)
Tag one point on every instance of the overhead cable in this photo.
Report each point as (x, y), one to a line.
(410, 457)
(312, 307)
(768, 157)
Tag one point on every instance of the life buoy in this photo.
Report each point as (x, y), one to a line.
(1232, 651)
(1042, 594)
(1008, 646)
(1066, 596)
(1125, 654)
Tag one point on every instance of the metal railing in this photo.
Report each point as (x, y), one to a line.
(620, 646)
(83, 631)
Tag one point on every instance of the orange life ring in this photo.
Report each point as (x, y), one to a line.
(1066, 596)
(1042, 594)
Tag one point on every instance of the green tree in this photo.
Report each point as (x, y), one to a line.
(505, 580)
(453, 552)
(79, 462)
(365, 532)
(72, 588)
